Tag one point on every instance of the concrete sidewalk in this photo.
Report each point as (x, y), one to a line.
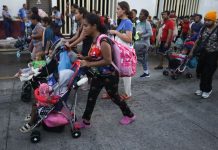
(169, 117)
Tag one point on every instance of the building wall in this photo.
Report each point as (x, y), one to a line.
(206, 5)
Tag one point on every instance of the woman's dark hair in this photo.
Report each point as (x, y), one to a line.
(167, 12)
(75, 6)
(35, 17)
(94, 19)
(47, 20)
(145, 12)
(125, 6)
(134, 10)
(34, 10)
(83, 11)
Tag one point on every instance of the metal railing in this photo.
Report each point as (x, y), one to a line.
(106, 7)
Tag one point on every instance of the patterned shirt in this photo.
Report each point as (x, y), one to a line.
(212, 44)
(96, 55)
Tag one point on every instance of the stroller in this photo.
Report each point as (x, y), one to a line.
(26, 93)
(179, 61)
(54, 113)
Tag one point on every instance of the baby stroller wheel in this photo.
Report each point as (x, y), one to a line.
(35, 137)
(165, 73)
(25, 97)
(75, 133)
(188, 75)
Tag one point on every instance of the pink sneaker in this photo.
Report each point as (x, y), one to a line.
(127, 120)
(81, 125)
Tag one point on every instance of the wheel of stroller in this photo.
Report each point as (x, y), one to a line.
(174, 77)
(189, 75)
(35, 137)
(25, 97)
(165, 73)
(75, 133)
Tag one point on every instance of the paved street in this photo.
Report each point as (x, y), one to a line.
(169, 116)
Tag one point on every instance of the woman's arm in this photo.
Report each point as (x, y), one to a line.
(107, 57)
(127, 37)
(81, 37)
(76, 36)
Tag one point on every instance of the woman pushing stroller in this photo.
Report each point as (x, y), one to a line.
(105, 74)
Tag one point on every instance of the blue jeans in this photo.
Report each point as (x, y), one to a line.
(7, 27)
(142, 54)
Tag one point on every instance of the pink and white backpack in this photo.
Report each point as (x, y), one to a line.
(124, 57)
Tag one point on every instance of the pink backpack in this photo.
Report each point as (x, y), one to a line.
(124, 58)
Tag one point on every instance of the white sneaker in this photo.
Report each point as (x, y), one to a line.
(198, 93)
(206, 94)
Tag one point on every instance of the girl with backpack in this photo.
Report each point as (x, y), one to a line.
(105, 75)
(123, 34)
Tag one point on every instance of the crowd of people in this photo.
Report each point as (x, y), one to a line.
(141, 32)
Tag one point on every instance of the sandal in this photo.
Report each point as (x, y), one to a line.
(26, 128)
(105, 96)
(28, 117)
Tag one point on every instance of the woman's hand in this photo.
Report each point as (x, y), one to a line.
(80, 56)
(84, 63)
(67, 44)
(113, 32)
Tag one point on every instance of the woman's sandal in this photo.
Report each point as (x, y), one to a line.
(26, 128)
(27, 118)
(105, 96)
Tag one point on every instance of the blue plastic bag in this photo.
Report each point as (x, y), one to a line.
(192, 63)
(64, 62)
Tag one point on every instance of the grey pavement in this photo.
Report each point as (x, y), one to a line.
(169, 116)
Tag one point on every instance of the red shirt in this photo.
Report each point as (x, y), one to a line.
(152, 40)
(168, 25)
(185, 27)
(102, 20)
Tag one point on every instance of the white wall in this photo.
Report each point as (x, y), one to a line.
(149, 5)
(207, 5)
(13, 6)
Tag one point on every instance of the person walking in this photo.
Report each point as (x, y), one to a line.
(207, 46)
(166, 37)
(22, 13)
(123, 34)
(144, 33)
(100, 57)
